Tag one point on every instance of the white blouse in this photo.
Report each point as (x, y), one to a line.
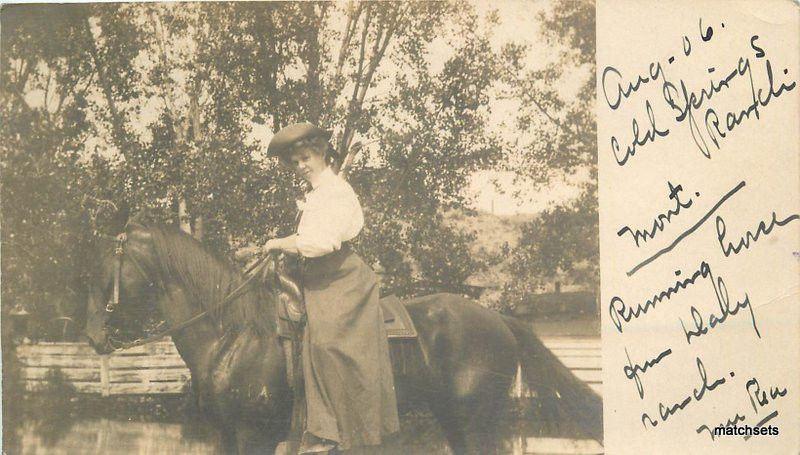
(331, 215)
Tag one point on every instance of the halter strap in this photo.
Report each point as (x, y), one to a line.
(119, 252)
(253, 273)
(250, 275)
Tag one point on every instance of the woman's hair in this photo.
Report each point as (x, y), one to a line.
(318, 146)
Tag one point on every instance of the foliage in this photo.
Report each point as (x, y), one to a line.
(561, 242)
(558, 245)
(108, 109)
(43, 188)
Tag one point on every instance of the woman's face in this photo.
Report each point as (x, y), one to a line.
(307, 163)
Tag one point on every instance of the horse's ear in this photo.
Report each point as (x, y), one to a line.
(119, 218)
(140, 219)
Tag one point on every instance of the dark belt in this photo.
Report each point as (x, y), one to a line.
(345, 248)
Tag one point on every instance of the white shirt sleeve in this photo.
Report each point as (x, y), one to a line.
(332, 215)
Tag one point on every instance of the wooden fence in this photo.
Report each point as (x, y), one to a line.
(151, 369)
(158, 369)
(582, 355)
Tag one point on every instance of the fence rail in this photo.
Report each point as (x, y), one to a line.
(157, 368)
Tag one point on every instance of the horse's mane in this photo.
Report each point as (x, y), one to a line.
(208, 279)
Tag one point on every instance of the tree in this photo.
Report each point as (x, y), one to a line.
(44, 128)
(562, 240)
(114, 108)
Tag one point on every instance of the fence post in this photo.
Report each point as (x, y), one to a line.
(518, 446)
(518, 385)
(104, 376)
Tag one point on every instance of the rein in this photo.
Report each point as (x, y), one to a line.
(119, 252)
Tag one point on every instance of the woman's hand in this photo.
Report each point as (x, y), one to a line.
(286, 245)
(277, 245)
(272, 245)
(246, 253)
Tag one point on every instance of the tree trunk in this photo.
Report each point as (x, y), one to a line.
(118, 131)
(312, 58)
(183, 216)
(199, 229)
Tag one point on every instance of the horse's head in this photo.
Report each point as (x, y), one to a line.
(121, 290)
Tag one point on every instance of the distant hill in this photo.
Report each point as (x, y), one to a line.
(495, 237)
(491, 231)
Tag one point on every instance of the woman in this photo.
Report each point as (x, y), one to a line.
(349, 387)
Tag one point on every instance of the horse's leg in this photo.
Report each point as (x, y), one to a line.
(470, 355)
(228, 440)
(470, 420)
(451, 421)
(252, 439)
(254, 435)
(484, 411)
(468, 404)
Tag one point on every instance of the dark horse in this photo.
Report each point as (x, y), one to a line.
(466, 355)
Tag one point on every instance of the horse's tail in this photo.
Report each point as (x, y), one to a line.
(565, 400)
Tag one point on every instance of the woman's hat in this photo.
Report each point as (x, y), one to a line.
(283, 140)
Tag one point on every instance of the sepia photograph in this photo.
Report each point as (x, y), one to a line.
(300, 228)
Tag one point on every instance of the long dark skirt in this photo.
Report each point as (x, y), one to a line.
(348, 375)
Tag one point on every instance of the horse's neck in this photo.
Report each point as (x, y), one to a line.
(196, 342)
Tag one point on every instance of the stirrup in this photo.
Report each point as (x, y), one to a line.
(288, 352)
(287, 448)
(319, 447)
(315, 445)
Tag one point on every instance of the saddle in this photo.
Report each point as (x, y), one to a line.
(291, 308)
(396, 319)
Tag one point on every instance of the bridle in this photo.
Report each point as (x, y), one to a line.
(119, 253)
(113, 303)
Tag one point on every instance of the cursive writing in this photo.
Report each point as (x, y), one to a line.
(734, 119)
(622, 313)
(639, 139)
(749, 237)
(689, 231)
(721, 292)
(632, 370)
(665, 411)
(662, 219)
(732, 422)
(685, 102)
(759, 398)
(613, 89)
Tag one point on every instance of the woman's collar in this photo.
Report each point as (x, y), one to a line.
(325, 177)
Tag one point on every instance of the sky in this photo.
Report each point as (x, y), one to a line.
(494, 191)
